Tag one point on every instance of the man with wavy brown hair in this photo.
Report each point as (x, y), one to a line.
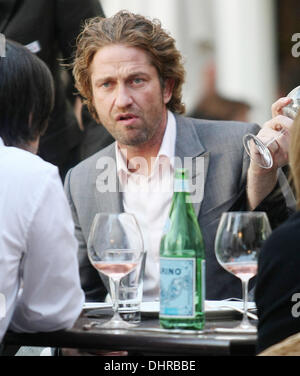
(134, 31)
(130, 73)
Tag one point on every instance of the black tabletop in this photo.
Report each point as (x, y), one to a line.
(146, 339)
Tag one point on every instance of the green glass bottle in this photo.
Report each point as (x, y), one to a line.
(182, 263)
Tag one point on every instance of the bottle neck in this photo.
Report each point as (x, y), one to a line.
(181, 185)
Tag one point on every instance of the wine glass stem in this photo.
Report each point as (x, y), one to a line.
(114, 287)
(245, 321)
(116, 298)
(281, 133)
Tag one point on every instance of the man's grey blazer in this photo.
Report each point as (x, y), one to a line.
(218, 145)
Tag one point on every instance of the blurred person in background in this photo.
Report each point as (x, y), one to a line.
(277, 291)
(49, 29)
(213, 106)
(216, 107)
(39, 277)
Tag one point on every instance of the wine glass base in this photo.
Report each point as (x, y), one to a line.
(117, 324)
(240, 329)
(258, 151)
(111, 324)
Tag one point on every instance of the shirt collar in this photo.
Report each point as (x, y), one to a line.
(167, 148)
(1, 142)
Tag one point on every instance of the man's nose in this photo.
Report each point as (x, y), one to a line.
(123, 97)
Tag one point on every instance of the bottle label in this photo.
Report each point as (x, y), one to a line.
(203, 278)
(177, 287)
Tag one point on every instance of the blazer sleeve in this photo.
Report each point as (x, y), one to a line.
(90, 280)
(279, 205)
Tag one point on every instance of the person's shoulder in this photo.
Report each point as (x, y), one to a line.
(211, 132)
(285, 237)
(26, 174)
(25, 164)
(289, 227)
(222, 126)
(91, 165)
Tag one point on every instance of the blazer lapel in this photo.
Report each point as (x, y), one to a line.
(7, 8)
(191, 154)
(107, 192)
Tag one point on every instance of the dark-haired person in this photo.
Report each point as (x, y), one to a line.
(49, 29)
(130, 73)
(39, 281)
(277, 290)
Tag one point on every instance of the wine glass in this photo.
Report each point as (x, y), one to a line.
(115, 249)
(256, 149)
(239, 238)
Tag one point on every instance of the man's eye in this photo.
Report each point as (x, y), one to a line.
(106, 84)
(137, 81)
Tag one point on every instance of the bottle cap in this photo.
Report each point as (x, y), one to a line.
(181, 173)
(181, 182)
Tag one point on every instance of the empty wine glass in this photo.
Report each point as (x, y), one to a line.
(115, 249)
(239, 239)
(259, 151)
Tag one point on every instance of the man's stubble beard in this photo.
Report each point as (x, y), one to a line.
(139, 139)
(145, 134)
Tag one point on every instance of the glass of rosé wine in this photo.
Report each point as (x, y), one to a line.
(115, 249)
(239, 239)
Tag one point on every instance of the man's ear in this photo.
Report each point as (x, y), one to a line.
(168, 90)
